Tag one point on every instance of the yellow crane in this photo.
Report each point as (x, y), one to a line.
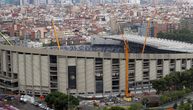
(55, 34)
(126, 51)
(148, 28)
(3, 36)
(146, 36)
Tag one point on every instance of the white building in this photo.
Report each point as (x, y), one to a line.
(134, 1)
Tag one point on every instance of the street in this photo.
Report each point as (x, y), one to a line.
(26, 106)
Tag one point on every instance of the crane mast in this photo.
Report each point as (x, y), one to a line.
(126, 51)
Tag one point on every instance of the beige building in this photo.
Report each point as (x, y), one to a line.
(40, 71)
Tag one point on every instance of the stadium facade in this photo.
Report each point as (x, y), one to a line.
(85, 73)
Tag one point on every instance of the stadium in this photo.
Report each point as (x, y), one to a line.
(96, 69)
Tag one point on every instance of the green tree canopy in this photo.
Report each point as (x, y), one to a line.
(174, 81)
(179, 35)
(136, 106)
(116, 108)
(61, 101)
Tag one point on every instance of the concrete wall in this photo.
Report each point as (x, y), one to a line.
(138, 70)
(28, 71)
(166, 67)
(32, 67)
(107, 75)
(62, 75)
(81, 76)
(178, 65)
(188, 64)
(153, 70)
(122, 75)
(36, 72)
(45, 76)
(90, 76)
(21, 73)
(15, 64)
(4, 63)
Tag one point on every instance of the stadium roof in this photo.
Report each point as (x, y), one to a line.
(158, 43)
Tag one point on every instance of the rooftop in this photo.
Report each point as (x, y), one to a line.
(162, 44)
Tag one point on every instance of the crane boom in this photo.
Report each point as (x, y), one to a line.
(147, 30)
(147, 34)
(3, 36)
(126, 50)
(55, 34)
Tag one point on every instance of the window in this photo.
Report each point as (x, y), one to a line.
(99, 86)
(72, 77)
(53, 59)
(172, 61)
(15, 76)
(159, 71)
(159, 62)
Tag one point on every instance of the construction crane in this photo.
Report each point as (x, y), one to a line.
(126, 51)
(3, 36)
(55, 34)
(146, 36)
(148, 28)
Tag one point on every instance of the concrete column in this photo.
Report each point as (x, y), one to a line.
(153, 70)
(15, 68)
(36, 68)
(81, 81)
(28, 70)
(107, 75)
(178, 65)
(21, 73)
(90, 75)
(138, 70)
(166, 67)
(188, 64)
(4, 61)
(45, 72)
(62, 75)
(122, 75)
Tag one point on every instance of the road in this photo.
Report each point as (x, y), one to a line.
(24, 106)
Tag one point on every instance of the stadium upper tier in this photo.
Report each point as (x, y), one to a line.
(99, 48)
(161, 44)
(112, 43)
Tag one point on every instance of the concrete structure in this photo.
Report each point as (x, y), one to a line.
(40, 71)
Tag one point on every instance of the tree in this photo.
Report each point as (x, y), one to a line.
(174, 81)
(116, 108)
(159, 85)
(60, 101)
(185, 106)
(175, 106)
(180, 35)
(136, 106)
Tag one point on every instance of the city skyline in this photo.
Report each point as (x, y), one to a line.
(86, 1)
